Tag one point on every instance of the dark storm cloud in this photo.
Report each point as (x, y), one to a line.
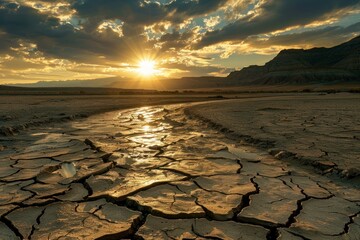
(56, 39)
(18, 22)
(328, 36)
(5, 43)
(197, 70)
(175, 40)
(128, 11)
(181, 10)
(144, 12)
(64, 41)
(275, 15)
(27, 22)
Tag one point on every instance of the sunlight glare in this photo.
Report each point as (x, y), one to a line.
(146, 128)
(147, 68)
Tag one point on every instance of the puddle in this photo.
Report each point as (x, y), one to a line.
(67, 170)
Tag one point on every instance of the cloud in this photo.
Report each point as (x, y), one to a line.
(323, 37)
(104, 38)
(176, 40)
(138, 12)
(63, 40)
(235, 9)
(182, 10)
(192, 70)
(273, 15)
(5, 43)
(212, 21)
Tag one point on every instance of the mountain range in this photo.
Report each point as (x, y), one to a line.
(297, 66)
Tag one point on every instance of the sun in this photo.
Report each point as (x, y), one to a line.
(147, 68)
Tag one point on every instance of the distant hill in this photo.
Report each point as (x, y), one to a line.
(179, 83)
(297, 66)
(127, 83)
(10, 90)
(93, 83)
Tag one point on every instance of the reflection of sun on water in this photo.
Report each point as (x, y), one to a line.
(146, 128)
(147, 68)
(149, 121)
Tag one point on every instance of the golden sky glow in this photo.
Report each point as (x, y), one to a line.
(88, 39)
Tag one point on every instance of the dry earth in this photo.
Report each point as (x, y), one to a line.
(319, 130)
(157, 173)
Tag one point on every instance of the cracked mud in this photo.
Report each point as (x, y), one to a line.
(157, 173)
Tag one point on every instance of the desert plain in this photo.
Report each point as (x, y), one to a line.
(251, 166)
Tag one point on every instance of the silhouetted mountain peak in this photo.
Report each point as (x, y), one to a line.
(339, 63)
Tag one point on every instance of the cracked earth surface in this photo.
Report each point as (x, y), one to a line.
(157, 173)
(317, 130)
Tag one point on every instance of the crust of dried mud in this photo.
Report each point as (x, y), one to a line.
(163, 172)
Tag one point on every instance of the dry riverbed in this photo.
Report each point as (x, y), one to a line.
(159, 173)
(19, 112)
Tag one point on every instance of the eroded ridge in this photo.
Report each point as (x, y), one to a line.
(156, 173)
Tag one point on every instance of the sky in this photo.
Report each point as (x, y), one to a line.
(46, 40)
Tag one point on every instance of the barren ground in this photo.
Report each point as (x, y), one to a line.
(168, 172)
(320, 130)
